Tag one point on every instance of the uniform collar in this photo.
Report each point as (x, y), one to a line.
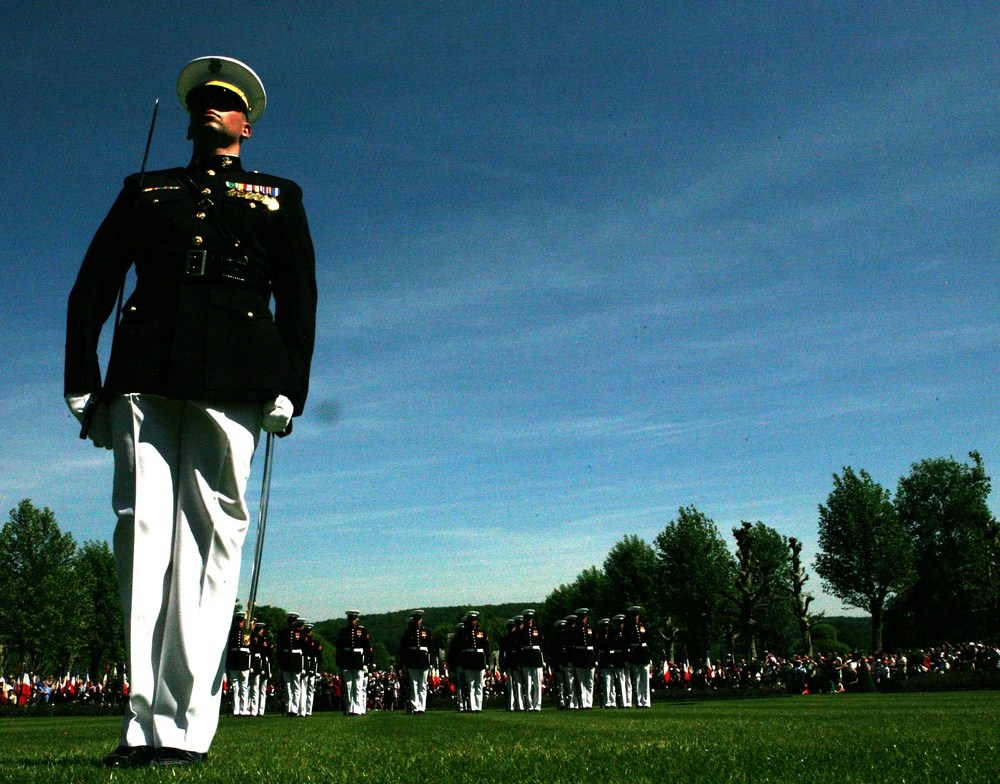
(217, 162)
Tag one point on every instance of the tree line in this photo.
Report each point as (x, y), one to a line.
(925, 564)
(60, 611)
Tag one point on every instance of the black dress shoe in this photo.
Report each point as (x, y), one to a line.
(167, 757)
(129, 757)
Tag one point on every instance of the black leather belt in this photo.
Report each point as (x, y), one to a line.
(202, 263)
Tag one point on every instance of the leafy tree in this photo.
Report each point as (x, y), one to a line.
(763, 584)
(632, 572)
(942, 505)
(101, 611)
(866, 553)
(698, 578)
(40, 605)
(274, 619)
(380, 654)
(590, 589)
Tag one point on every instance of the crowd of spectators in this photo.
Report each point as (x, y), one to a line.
(29, 688)
(833, 673)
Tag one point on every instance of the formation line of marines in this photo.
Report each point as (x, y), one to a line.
(610, 662)
(615, 656)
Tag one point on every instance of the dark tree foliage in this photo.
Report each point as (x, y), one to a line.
(633, 577)
(103, 627)
(699, 575)
(60, 611)
(590, 589)
(273, 618)
(865, 553)
(41, 607)
(942, 505)
(763, 586)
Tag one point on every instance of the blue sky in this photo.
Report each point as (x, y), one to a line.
(580, 264)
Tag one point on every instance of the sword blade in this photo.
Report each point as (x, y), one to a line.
(258, 552)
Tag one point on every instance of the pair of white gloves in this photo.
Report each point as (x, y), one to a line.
(275, 416)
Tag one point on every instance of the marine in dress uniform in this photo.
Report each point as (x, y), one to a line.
(310, 666)
(556, 654)
(238, 665)
(455, 671)
(619, 661)
(291, 660)
(260, 668)
(415, 648)
(518, 673)
(605, 670)
(354, 654)
(638, 656)
(199, 363)
(532, 662)
(475, 656)
(510, 666)
(584, 657)
(566, 666)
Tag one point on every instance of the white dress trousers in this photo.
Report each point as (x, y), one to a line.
(584, 678)
(475, 682)
(355, 691)
(607, 675)
(239, 688)
(624, 686)
(308, 691)
(417, 678)
(639, 680)
(258, 694)
(531, 685)
(181, 470)
(293, 691)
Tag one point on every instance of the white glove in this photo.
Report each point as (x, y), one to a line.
(277, 414)
(100, 421)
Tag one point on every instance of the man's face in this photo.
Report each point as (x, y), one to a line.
(217, 110)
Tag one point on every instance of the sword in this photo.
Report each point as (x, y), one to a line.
(93, 403)
(258, 550)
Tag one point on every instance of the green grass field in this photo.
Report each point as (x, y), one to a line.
(934, 738)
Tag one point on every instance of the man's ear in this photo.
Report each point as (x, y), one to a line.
(247, 130)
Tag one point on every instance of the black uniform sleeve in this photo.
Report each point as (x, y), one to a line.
(93, 296)
(294, 289)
